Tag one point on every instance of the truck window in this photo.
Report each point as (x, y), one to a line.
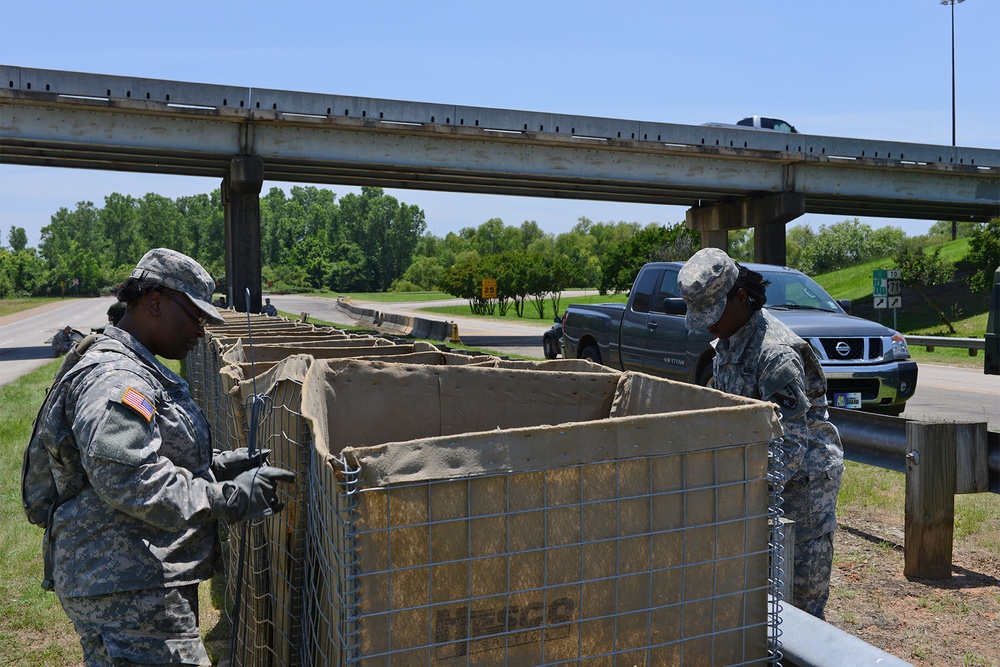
(642, 291)
(668, 290)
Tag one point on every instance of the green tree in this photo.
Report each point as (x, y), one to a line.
(621, 264)
(160, 224)
(121, 229)
(921, 269)
(741, 245)
(984, 254)
(848, 243)
(460, 280)
(581, 249)
(940, 231)
(386, 231)
(424, 272)
(204, 220)
(22, 273)
(797, 239)
(17, 238)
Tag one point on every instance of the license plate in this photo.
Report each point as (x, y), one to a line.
(850, 400)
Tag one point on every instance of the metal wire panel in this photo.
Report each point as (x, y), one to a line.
(265, 595)
(650, 561)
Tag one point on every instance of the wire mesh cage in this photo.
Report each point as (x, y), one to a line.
(633, 525)
(653, 560)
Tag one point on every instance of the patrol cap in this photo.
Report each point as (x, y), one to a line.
(181, 273)
(703, 283)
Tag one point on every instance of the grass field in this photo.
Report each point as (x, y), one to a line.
(12, 306)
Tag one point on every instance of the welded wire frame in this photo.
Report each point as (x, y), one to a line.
(270, 588)
(778, 568)
(656, 560)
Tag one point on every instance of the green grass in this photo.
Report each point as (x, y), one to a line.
(33, 628)
(11, 306)
(864, 487)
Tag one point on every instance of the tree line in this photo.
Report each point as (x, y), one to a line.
(311, 240)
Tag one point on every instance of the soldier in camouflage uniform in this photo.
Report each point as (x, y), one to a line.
(759, 357)
(126, 553)
(62, 342)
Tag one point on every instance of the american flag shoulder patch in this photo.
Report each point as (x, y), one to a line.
(139, 403)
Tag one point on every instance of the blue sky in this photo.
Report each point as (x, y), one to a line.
(876, 70)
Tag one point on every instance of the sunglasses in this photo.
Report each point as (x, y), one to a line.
(180, 301)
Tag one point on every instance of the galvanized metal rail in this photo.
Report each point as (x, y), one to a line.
(973, 345)
(881, 440)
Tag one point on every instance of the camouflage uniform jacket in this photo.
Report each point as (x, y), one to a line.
(766, 360)
(147, 516)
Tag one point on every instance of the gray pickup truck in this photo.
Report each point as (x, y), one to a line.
(867, 365)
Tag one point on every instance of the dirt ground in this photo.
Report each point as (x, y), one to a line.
(928, 623)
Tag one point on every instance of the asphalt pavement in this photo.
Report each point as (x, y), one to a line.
(943, 392)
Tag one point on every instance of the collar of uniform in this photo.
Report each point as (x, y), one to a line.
(132, 343)
(734, 350)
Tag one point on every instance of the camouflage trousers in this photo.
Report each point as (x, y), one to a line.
(811, 502)
(152, 627)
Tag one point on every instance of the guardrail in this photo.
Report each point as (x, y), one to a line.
(930, 342)
(939, 459)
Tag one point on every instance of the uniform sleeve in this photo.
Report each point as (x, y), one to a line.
(115, 426)
(782, 382)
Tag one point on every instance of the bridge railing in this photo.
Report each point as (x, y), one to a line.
(939, 459)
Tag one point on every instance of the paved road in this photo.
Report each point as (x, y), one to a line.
(523, 338)
(23, 335)
(943, 392)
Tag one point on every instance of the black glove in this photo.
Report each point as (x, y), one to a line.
(254, 493)
(226, 466)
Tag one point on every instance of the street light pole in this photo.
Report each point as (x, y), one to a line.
(954, 224)
(952, 3)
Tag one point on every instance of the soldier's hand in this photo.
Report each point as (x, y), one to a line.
(226, 466)
(254, 493)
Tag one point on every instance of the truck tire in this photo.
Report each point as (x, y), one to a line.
(550, 347)
(591, 353)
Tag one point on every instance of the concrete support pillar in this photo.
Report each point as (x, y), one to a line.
(241, 197)
(767, 215)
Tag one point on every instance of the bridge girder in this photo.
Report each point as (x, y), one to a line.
(69, 119)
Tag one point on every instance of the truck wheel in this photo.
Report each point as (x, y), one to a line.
(591, 353)
(550, 347)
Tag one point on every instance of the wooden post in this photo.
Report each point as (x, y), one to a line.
(929, 522)
(971, 458)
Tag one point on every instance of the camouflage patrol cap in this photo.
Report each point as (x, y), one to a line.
(703, 283)
(181, 273)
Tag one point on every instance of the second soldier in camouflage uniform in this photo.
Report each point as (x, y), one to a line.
(134, 531)
(759, 357)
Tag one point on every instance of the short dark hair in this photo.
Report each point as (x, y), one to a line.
(754, 284)
(133, 288)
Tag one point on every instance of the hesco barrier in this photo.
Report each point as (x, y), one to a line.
(477, 511)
